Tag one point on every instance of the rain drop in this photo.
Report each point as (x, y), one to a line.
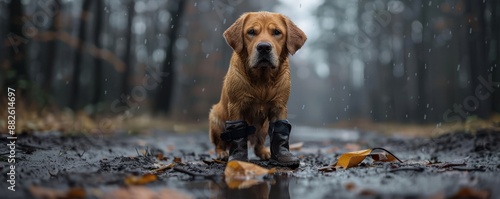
(106, 79)
(208, 54)
(203, 90)
(425, 116)
(195, 4)
(303, 107)
(67, 82)
(458, 67)
(105, 92)
(430, 49)
(470, 30)
(409, 55)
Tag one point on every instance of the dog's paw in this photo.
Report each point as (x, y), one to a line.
(263, 153)
(222, 155)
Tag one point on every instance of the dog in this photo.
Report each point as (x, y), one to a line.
(256, 87)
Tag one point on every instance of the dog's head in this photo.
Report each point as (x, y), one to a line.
(264, 38)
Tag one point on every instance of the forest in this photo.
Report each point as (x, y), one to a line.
(422, 62)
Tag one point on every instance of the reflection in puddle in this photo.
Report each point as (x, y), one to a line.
(278, 187)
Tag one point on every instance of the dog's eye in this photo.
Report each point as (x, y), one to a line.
(276, 32)
(251, 32)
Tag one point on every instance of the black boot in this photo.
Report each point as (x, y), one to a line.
(279, 132)
(237, 133)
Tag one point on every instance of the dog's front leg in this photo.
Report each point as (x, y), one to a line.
(279, 132)
(236, 132)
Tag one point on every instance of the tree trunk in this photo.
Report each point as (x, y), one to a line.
(126, 56)
(164, 95)
(97, 61)
(74, 103)
(52, 53)
(478, 58)
(17, 78)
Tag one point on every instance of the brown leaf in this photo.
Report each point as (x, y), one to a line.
(382, 157)
(140, 180)
(48, 193)
(351, 159)
(467, 192)
(177, 160)
(350, 186)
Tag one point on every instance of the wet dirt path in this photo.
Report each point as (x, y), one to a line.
(438, 167)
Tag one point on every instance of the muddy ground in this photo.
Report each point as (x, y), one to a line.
(458, 164)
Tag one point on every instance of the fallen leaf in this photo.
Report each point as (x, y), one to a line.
(48, 193)
(350, 186)
(177, 160)
(467, 192)
(351, 159)
(240, 174)
(140, 180)
(382, 157)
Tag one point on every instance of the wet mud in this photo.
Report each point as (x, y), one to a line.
(439, 167)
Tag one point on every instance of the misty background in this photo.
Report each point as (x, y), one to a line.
(414, 61)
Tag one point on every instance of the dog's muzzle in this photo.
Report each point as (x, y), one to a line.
(264, 56)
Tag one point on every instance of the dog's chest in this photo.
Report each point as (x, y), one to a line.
(264, 100)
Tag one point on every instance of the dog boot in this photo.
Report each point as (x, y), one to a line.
(237, 133)
(279, 132)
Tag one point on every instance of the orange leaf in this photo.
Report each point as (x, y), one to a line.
(467, 192)
(41, 192)
(140, 180)
(240, 174)
(351, 159)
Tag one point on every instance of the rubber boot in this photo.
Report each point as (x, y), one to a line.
(237, 133)
(279, 132)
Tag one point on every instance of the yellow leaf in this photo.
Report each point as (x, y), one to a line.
(351, 159)
(243, 170)
(140, 180)
(240, 174)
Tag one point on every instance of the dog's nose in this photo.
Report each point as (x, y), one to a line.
(264, 47)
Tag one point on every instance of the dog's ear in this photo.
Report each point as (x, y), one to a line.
(295, 37)
(234, 34)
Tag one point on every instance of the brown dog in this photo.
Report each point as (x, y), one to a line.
(257, 84)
